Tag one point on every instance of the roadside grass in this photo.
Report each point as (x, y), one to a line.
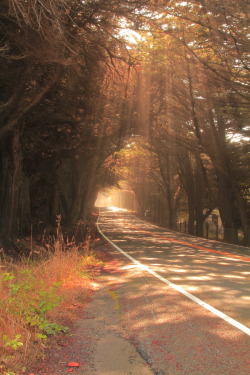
(38, 299)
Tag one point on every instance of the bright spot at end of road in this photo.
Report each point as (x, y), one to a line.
(116, 209)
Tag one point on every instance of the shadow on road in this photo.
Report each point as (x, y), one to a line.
(175, 335)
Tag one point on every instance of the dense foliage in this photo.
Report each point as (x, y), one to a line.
(196, 84)
(73, 88)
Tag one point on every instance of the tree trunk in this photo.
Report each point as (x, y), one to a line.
(15, 204)
(191, 219)
(227, 208)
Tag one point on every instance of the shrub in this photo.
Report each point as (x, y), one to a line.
(34, 302)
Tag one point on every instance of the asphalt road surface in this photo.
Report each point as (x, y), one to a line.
(195, 307)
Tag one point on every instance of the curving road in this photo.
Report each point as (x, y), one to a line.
(217, 273)
(201, 285)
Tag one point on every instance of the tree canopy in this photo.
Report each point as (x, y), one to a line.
(74, 87)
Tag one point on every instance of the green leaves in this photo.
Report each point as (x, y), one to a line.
(31, 300)
(53, 329)
(12, 343)
(7, 276)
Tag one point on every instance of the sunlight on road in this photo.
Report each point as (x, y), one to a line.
(116, 209)
(208, 276)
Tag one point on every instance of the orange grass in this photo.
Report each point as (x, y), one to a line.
(60, 284)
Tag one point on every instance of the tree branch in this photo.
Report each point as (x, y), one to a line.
(10, 125)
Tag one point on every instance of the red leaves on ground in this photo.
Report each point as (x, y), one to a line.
(73, 364)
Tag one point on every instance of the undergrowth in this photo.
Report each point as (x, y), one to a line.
(37, 300)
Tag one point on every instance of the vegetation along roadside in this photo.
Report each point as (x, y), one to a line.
(40, 298)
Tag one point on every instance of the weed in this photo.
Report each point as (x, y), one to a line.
(7, 276)
(33, 297)
(14, 343)
(30, 300)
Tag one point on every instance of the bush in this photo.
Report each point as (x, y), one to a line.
(34, 302)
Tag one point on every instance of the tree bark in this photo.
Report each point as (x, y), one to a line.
(15, 205)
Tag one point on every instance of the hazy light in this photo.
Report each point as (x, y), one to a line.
(237, 137)
(123, 198)
(115, 209)
(126, 31)
(130, 35)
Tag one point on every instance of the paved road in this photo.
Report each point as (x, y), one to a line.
(217, 273)
(214, 273)
(137, 324)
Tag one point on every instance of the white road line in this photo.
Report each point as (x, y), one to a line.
(210, 308)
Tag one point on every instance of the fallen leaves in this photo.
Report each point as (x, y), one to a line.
(73, 364)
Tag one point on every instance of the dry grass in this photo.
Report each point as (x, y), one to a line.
(37, 300)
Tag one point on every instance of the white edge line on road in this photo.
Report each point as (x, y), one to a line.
(179, 289)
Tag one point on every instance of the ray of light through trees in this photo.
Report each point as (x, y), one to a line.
(150, 96)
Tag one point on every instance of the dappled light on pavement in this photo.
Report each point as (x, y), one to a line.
(220, 279)
(173, 334)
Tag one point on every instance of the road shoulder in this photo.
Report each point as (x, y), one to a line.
(99, 342)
